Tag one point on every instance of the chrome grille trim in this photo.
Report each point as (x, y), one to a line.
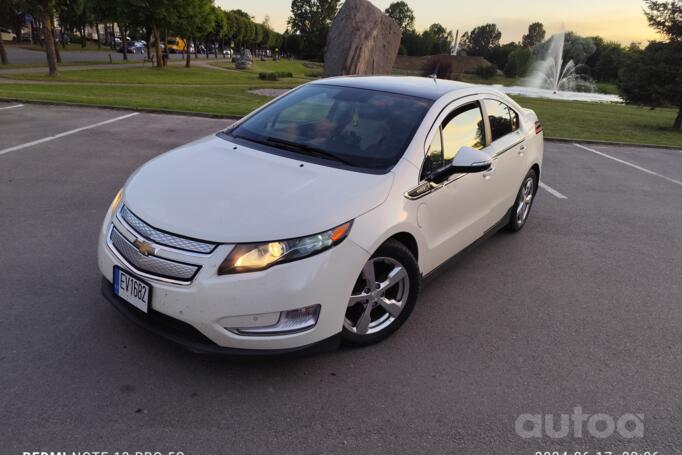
(163, 238)
(150, 266)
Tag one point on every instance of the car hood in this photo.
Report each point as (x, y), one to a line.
(219, 191)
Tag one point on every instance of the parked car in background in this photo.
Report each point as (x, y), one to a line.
(134, 47)
(7, 35)
(315, 218)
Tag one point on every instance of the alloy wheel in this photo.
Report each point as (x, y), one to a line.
(379, 296)
(525, 200)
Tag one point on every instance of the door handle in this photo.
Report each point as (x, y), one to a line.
(522, 150)
(489, 173)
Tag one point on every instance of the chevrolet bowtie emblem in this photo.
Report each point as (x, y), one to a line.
(144, 248)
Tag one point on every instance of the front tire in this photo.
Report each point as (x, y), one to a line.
(524, 202)
(383, 297)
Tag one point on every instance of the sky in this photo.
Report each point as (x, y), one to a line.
(615, 20)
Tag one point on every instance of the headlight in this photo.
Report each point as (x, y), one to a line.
(116, 202)
(260, 256)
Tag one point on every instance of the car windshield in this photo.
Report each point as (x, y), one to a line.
(357, 127)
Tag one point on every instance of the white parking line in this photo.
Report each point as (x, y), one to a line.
(552, 191)
(640, 168)
(11, 107)
(65, 133)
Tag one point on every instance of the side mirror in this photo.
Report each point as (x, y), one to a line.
(467, 161)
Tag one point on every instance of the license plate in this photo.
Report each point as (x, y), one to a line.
(132, 289)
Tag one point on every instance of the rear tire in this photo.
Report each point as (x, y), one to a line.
(523, 203)
(383, 297)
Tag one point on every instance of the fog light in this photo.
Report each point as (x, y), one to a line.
(291, 321)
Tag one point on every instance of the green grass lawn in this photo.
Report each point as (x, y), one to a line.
(232, 100)
(609, 88)
(90, 46)
(76, 63)
(175, 74)
(211, 91)
(605, 122)
(298, 68)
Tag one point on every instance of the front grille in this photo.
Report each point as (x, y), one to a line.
(164, 238)
(150, 264)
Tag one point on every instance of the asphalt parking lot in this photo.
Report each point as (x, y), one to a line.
(582, 308)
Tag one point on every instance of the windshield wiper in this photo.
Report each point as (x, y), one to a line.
(306, 150)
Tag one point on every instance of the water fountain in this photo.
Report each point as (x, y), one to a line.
(550, 78)
(551, 74)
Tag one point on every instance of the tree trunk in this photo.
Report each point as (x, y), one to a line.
(124, 40)
(3, 53)
(81, 32)
(49, 45)
(157, 47)
(41, 36)
(56, 48)
(148, 36)
(678, 121)
(57, 53)
(189, 58)
(99, 38)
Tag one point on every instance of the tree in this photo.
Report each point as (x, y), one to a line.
(483, 39)
(74, 15)
(606, 60)
(219, 31)
(653, 77)
(43, 11)
(518, 62)
(666, 17)
(438, 38)
(12, 14)
(500, 55)
(536, 35)
(3, 54)
(156, 14)
(402, 14)
(197, 20)
(292, 43)
(311, 19)
(578, 48)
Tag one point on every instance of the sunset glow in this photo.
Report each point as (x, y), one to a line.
(617, 20)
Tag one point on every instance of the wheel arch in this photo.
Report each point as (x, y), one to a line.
(408, 240)
(536, 167)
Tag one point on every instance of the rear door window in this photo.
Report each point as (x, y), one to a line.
(502, 118)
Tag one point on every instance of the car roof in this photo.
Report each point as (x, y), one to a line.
(422, 87)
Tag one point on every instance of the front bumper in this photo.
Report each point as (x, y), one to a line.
(198, 315)
(190, 338)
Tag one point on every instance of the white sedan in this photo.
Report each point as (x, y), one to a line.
(314, 219)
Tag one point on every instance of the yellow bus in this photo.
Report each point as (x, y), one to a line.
(175, 44)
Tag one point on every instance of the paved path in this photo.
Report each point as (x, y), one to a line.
(582, 308)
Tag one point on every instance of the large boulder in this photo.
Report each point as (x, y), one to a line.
(362, 40)
(245, 61)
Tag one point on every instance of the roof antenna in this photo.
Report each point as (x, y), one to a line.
(434, 76)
